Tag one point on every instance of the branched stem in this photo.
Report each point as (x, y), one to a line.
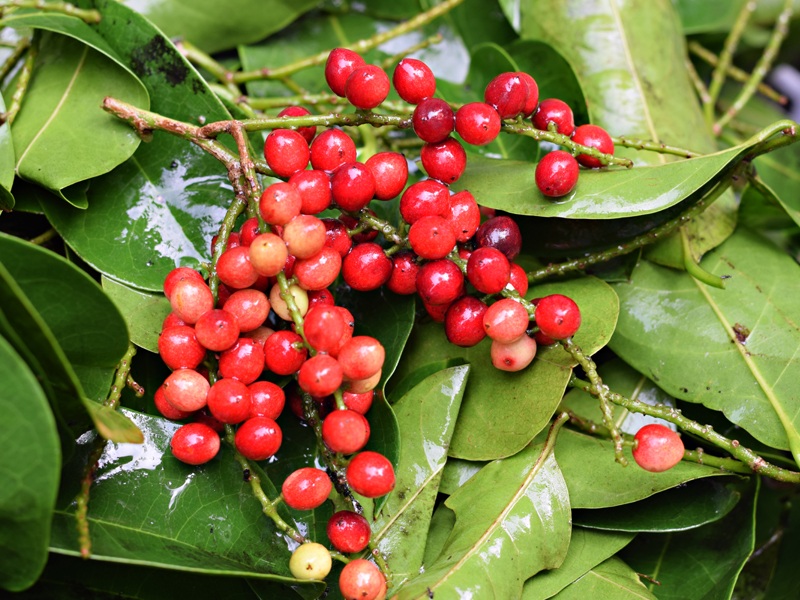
(89, 16)
(20, 88)
(654, 147)
(19, 49)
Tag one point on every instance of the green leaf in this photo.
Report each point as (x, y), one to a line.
(144, 313)
(707, 16)
(29, 472)
(612, 579)
(65, 95)
(160, 208)
(489, 425)
(215, 26)
(587, 549)
(596, 481)
(442, 523)
(702, 563)
(427, 417)
(512, 521)
(480, 21)
(150, 509)
(7, 163)
(733, 350)
(679, 509)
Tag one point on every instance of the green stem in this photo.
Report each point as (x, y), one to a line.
(23, 80)
(45, 237)
(89, 16)
(693, 268)
(762, 68)
(329, 120)
(654, 147)
(331, 461)
(225, 229)
(699, 85)
(19, 49)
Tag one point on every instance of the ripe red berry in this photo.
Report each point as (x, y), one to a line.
(477, 123)
(431, 237)
(464, 215)
(370, 474)
(190, 299)
(657, 448)
(172, 320)
(268, 254)
(488, 270)
(306, 488)
(180, 274)
(229, 401)
(324, 328)
(266, 399)
(298, 111)
(320, 375)
(507, 94)
(169, 411)
(331, 148)
(248, 231)
(340, 64)
(433, 120)
(235, 270)
(519, 279)
(463, 322)
(286, 152)
(423, 199)
(319, 271)
(554, 111)
(284, 352)
(358, 402)
(532, 97)
(195, 444)
(348, 531)
(367, 87)
(258, 438)
(186, 390)
(558, 316)
(345, 431)
(320, 298)
(217, 330)
(361, 580)
(249, 307)
(280, 203)
(506, 321)
(352, 186)
(514, 356)
(179, 348)
(403, 279)
(336, 236)
(314, 187)
(361, 357)
(594, 137)
(557, 174)
(304, 236)
(440, 282)
(502, 233)
(390, 171)
(366, 267)
(444, 161)
(244, 361)
(233, 242)
(413, 80)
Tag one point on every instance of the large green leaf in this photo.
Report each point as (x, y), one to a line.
(587, 549)
(612, 579)
(512, 521)
(701, 563)
(427, 416)
(62, 109)
(149, 509)
(733, 350)
(489, 425)
(29, 472)
(707, 16)
(161, 207)
(215, 26)
(144, 312)
(7, 163)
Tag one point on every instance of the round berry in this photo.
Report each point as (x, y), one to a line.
(506, 321)
(233, 242)
(180, 274)
(235, 269)
(367, 87)
(464, 215)
(502, 233)
(195, 443)
(352, 186)
(331, 148)
(593, 137)
(507, 94)
(463, 322)
(370, 474)
(268, 254)
(169, 411)
(266, 399)
(424, 199)
(258, 438)
(319, 298)
(532, 97)
(444, 161)
(360, 386)
(358, 402)
(440, 282)
(310, 561)
(390, 172)
(403, 279)
(279, 305)
(519, 279)
(477, 123)
(286, 152)
(248, 231)
(436, 312)
(304, 236)
(172, 320)
(280, 203)
(361, 357)
(179, 348)
(217, 330)
(413, 80)
(657, 448)
(336, 236)
(431, 237)
(557, 174)
(433, 120)
(229, 401)
(190, 299)
(366, 267)
(557, 112)
(345, 431)
(249, 307)
(320, 375)
(558, 316)
(361, 580)
(306, 488)
(340, 64)
(298, 111)
(488, 270)
(284, 352)
(186, 390)
(514, 356)
(348, 531)
(324, 328)
(244, 361)
(314, 187)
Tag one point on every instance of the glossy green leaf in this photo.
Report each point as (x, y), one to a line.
(144, 312)
(612, 579)
(442, 523)
(489, 425)
(65, 95)
(215, 26)
(160, 208)
(784, 582)
(512, 521)
(7, 163)
(707, 16)
(702, 563)
(596, 481)
(692, 505)
(733, 350)
(148, 508)
(427, 417)
(29, 472)
(587, 549)
(480, 21)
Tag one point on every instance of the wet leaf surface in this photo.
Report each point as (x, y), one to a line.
(612, 579)
(144, 312)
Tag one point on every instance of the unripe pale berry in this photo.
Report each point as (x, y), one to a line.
(514, 356)
(310, 561)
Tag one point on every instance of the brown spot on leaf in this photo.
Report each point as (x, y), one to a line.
(741, 332)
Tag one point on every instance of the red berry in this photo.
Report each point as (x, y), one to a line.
(217, 330)
(444, 161)
(594, 137)
(167, 410)
(324, 328)
(361, 357)
(351, 223)
(266, 399)
(370, 474)
(186, 390)
(390, 171)
(286, 152)
(268, 254)
(280, 203)
(248, 231)
(320, 375)
(532, 98)
(348, 531)
(366, 267)
(195, 444)
(361, 580)
(298, 111)
(179, 348)
(463, 322)
(403, 279)
(506, 321)
(180, 274)
(437, 312)
(488, 270)
(249, 307)
(340, 64)
(477, 123)
(413, 80)
(172, 320)
(318, 271)
(315, 190)
(352, 186)
(519, 279)
(345, 431)
(507, 94)
(235, 270)
(306, 489)
(423, 199)
(514, 356)
(433, 120)
(367, 87)
(558, 316)
(555, 111)
(284, 352)
(244, 361)
(336, 236)
(229, 401)
(360, 403)
(557, 174)
(502, 233)
(258, 438)
(331, 148)
(464, 215)
(320, 298)
(431, 237)
(440, 282)
(304, 236)
(190, 299)
(657, 448)
(233, 242)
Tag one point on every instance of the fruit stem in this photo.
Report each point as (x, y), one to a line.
(654, 147)
(19, 49)
(88, 15)
(601, 392)
(755, 463)
(21, 86)
(693, 268)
